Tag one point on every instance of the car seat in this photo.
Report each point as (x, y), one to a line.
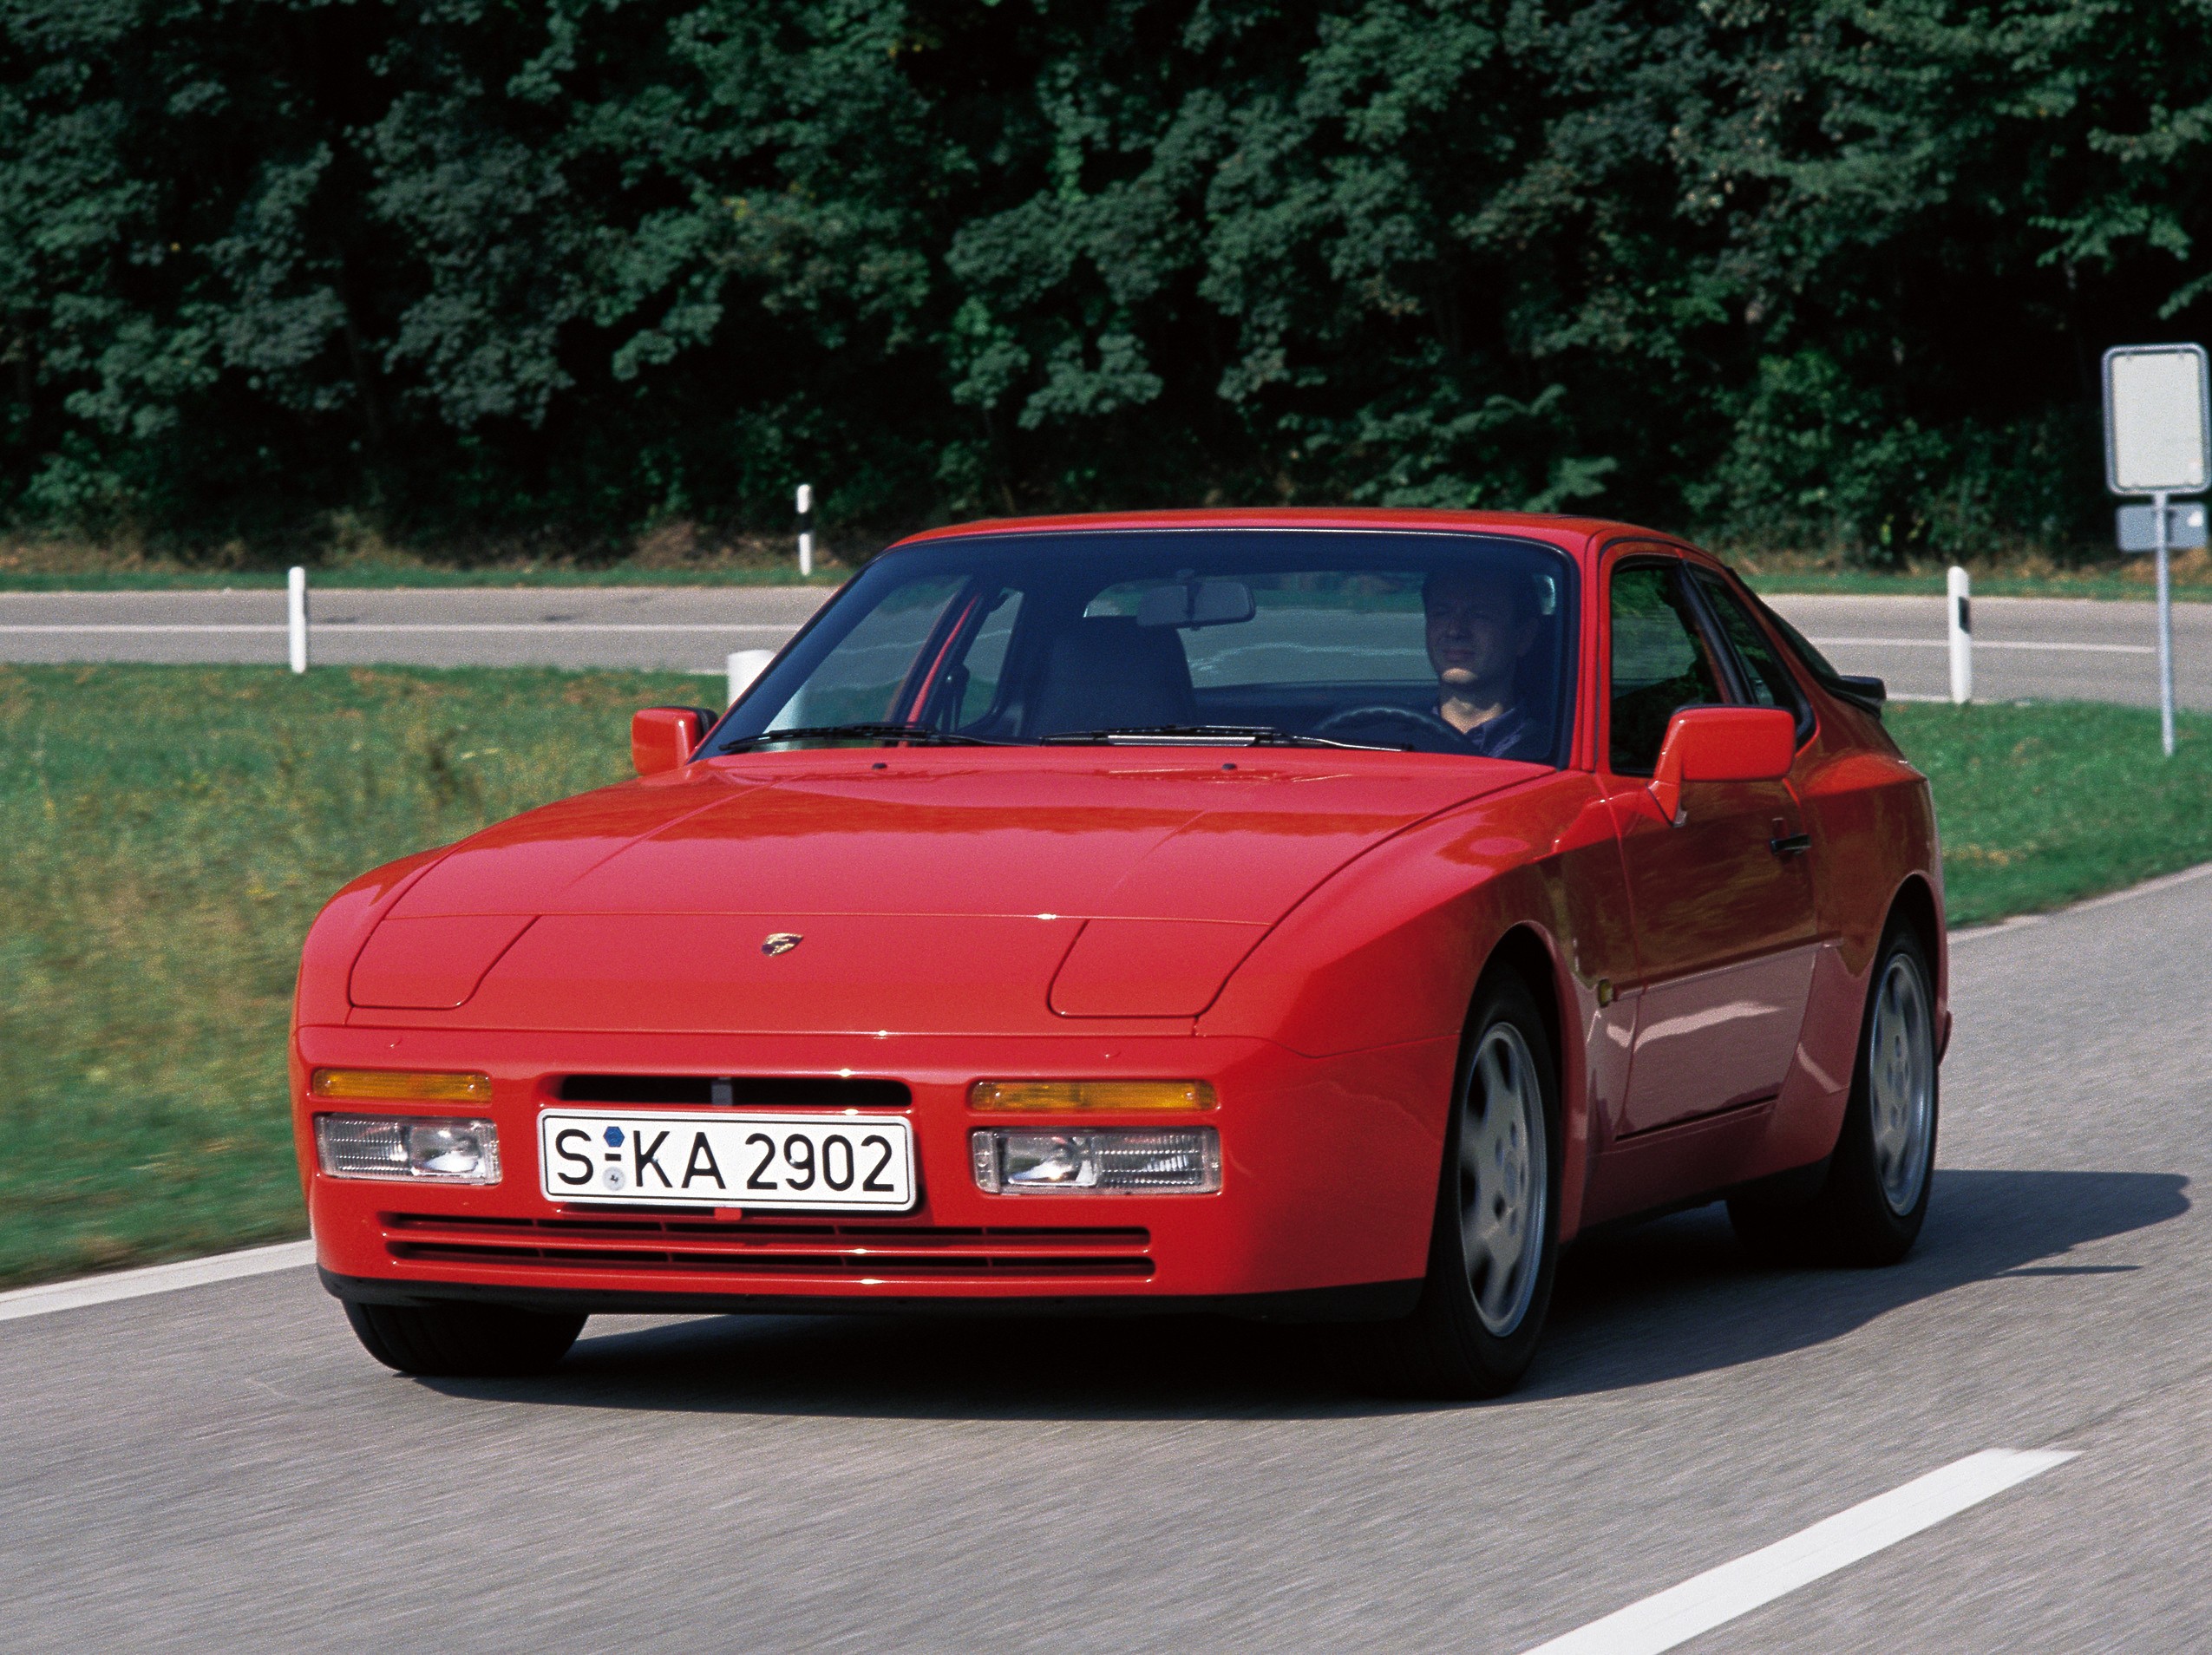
(1105, 673)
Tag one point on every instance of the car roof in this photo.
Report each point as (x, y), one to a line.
(1569, 533)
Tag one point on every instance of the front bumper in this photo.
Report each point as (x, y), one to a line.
(1329, 1178)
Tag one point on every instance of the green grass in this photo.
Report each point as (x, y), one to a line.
(170, 831)
(2044, 805)
(1862, 583)
(676, 554)
(66, 566)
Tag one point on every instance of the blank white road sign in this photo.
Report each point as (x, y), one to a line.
(2156, 437)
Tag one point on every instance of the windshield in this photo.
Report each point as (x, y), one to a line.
(1436, 642)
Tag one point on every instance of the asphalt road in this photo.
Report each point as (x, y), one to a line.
(2032, 649)
(686, 628)
(2026, 648)
(221, 1468)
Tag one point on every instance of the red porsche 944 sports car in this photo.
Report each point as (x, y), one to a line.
(1318, 914)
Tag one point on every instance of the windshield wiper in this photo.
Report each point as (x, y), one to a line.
(924, 734)
(1209, 735)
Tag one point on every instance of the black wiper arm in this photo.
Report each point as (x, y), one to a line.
(924, 734)
(1209, 734)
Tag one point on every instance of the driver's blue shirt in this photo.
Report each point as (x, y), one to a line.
(1510, 735)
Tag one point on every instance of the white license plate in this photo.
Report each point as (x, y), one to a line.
(725, 1158)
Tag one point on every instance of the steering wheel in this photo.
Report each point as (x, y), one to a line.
(1382, 713)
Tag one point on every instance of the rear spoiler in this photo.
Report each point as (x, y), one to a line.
(1861, 691)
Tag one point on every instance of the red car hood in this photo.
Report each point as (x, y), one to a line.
(921, 882)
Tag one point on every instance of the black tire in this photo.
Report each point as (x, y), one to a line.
(1469, 1335)
(1869, 1209)
(462, 1341)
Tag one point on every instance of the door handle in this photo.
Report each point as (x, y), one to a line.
(1791, 844)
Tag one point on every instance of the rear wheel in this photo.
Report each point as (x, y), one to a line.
(462, 1341)
(1873, 1200)
(1496, 1241)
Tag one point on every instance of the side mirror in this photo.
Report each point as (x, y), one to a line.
(663, 738)
(1722, 744)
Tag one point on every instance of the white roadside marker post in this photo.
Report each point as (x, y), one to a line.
(2158, 442)
(744, 666)
(1960, 607)
(806, 529)
(295, 616)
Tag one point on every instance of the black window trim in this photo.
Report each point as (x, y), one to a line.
(1657, 554)
(1862, 690)
(1808, 719)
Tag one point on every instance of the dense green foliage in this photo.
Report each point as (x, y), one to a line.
(1835, 271)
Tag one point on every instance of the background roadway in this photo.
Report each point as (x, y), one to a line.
(221, 1468)
(2027, 648)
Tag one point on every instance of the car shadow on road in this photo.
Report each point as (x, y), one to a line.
(1679, 1297)
(1660, 1301)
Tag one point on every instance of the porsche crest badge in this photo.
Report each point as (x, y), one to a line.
(780, 942)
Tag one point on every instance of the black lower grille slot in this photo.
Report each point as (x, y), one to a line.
(826, 1249)
(769, 1263)
(743, 1091)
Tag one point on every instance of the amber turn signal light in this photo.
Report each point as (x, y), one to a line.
(1062, 1097)
(408, 1085)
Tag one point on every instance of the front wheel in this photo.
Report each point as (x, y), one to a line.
(464, 1341)
(1495, 1242)
(1870, 1209)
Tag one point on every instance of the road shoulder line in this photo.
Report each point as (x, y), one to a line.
(52, 1296)
(2020, 921)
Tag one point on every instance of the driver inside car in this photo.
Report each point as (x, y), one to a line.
(1481, 626)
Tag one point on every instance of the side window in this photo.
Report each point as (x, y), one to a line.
(1768, 680)
(1660, 662)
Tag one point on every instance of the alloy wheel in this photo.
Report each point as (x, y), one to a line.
(1901, 1082)
(1504, 1180)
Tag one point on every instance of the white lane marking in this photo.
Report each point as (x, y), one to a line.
(2148, 887)
(1718, 1596)
(154, 1279)
(1975, 933)
(1984, 644)
(121, 629)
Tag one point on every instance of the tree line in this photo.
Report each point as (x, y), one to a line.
(1829, 273)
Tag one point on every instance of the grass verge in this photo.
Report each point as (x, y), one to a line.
(2124, 578)
(384, 576)
(171, 831)
(2044, 805)
(685, 559)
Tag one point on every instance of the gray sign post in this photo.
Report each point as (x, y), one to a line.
(2158, 442)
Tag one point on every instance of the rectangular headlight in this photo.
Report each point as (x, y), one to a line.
(1110, 1160)
(1069, 1097)
(407, 1146)
(411, 1085)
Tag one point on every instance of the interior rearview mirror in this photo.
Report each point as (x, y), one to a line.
(663, 738)
(1195, 602)
(1722, 744)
